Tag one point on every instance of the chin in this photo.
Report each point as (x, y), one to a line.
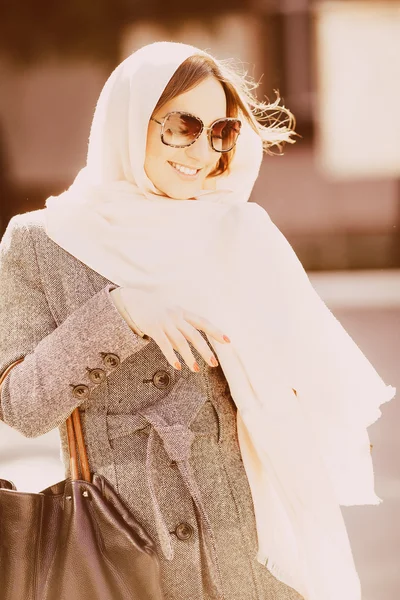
(179, 194)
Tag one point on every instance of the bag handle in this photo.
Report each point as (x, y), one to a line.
(75, 437)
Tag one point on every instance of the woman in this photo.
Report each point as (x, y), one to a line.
(230, 457)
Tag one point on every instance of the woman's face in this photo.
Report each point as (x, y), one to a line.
(208, 102)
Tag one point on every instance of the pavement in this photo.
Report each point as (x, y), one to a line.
(367, 303)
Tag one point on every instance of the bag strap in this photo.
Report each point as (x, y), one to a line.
(75, 437)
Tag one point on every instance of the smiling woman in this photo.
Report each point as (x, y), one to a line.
(235, 460)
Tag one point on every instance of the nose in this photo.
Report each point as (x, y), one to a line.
(201, 150)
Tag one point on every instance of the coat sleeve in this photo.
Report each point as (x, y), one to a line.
(62, 364)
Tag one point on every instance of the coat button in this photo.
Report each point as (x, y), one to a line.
(97, 375)
(111, 360)
(80, 391)
(184, 531)
(161, 379)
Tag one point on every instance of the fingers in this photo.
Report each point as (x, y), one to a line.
(175, 336)
(166, 348)
(185, 332)
(206, 326)
(179, 342)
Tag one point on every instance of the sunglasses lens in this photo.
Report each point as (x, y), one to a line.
(181, 130)
(224, 134)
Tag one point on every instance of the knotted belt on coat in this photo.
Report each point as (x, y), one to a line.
(170, 419)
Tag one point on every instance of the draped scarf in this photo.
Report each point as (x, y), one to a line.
(304, 391)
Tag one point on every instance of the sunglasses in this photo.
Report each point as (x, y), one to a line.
(181, 129)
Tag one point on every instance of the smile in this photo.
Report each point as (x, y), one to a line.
(186, 172)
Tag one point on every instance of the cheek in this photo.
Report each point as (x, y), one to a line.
(157, 155)
(154, 146)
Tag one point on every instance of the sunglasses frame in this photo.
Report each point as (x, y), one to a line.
(208, 129)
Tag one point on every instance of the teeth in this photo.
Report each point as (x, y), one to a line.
(184, 170)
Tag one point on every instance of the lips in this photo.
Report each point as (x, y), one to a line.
(187, 172)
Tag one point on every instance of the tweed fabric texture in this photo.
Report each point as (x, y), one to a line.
(166, 440)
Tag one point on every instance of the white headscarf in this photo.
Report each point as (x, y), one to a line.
(305, 392)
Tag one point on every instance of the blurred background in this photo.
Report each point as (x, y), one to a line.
(335, 194)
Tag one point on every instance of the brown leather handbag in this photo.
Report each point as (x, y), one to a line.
(75, 540)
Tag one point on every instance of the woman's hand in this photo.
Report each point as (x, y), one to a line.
(169, 326)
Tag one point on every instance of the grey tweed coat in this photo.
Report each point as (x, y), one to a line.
(166, 440)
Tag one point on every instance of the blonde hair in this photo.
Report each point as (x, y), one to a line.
(273, 122)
